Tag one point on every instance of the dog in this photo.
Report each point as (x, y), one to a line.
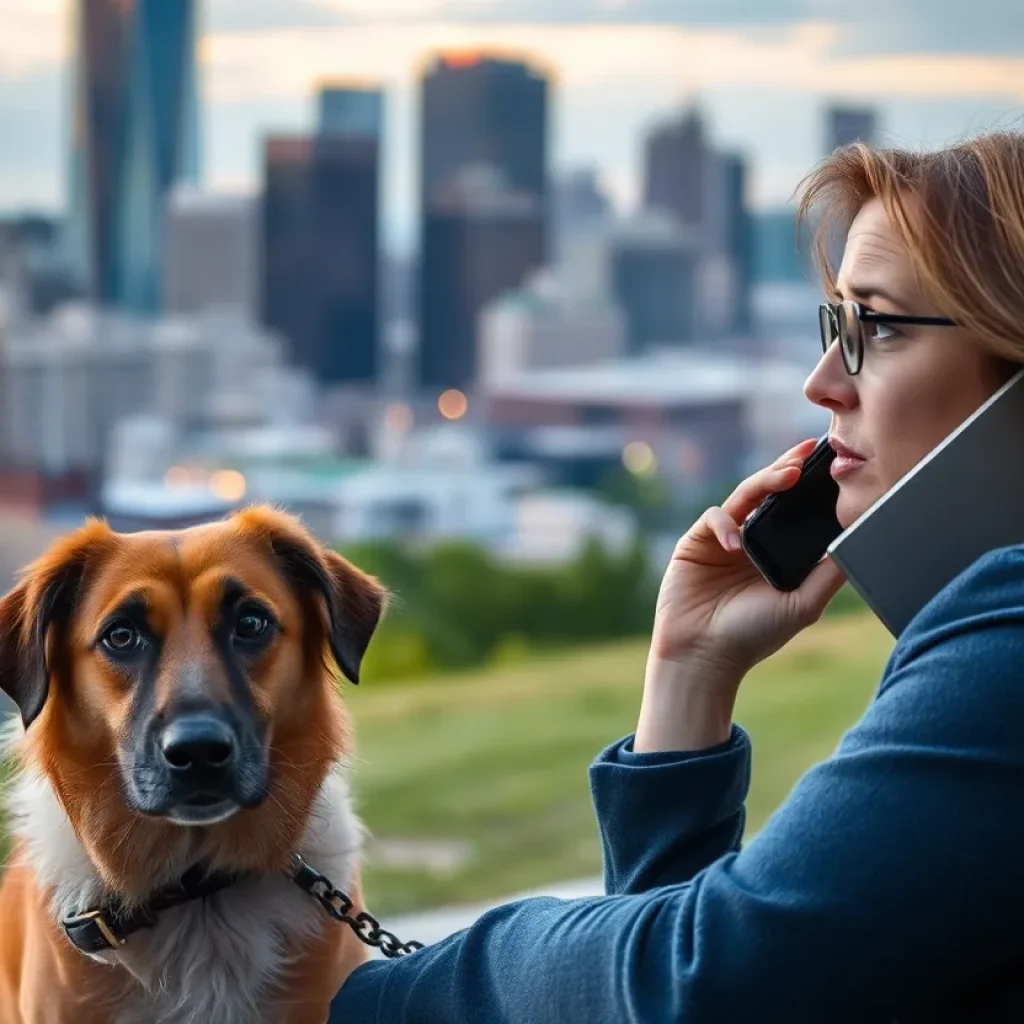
(182, 741)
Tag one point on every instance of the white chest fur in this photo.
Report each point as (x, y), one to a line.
(212, 960)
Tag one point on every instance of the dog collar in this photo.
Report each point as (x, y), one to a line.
(109, 925)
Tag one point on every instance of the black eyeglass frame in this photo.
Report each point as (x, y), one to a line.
(833, 323)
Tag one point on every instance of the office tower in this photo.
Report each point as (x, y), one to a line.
(845, 125)
(353, 110)
(675, 169)
(483, 196)
(476, 110)
(210, 253)
(579, 203)
(134, 136)
(320, 228)
(738, 240)
(480, 241)
(781, 256)
(647, 265)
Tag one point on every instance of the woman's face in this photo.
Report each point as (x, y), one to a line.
(916, 384)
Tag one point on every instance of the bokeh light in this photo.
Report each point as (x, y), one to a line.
(228, 485)
(453, 404)
(638, 457)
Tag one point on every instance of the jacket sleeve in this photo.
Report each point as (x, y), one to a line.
(663, 817)
(888, 879)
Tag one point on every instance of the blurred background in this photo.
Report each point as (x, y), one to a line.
(497, 295)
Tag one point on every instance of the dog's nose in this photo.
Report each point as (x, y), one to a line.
(198, 744)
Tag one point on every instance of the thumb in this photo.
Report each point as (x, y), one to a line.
(824, 582)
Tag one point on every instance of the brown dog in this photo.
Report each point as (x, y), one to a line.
(182, 738)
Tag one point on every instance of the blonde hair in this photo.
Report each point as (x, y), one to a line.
(959, 211)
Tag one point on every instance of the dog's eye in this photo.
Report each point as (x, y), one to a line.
(251, 626)
(121, 637)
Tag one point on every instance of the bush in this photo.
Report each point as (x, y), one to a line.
(456, 607)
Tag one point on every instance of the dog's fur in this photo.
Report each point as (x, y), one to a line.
(262, 950)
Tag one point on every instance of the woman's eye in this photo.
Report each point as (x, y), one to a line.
(884, 332)
(121, 638)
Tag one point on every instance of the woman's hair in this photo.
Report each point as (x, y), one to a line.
(960, 212)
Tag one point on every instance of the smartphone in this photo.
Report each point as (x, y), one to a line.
(790, 531)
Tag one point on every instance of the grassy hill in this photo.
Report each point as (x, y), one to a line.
(485, 775)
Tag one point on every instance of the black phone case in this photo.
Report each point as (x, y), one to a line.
(822, 453)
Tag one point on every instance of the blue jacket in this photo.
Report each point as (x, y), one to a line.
(888, 887)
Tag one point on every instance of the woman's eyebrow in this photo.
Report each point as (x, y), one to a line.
(868, 293)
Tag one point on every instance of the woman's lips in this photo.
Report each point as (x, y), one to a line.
(846, 460)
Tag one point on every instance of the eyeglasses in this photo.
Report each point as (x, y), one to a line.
(841, 321)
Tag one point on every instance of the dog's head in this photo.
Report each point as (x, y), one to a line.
(188, 667)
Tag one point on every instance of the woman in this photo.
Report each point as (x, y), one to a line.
(890, 885)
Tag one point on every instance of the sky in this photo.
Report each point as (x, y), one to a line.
(762, 71)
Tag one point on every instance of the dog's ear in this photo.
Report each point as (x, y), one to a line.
(353, 601)
(34, 615)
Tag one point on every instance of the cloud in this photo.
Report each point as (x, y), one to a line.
(256, 15)
(35, 35)
(879, 26)
(806, 56)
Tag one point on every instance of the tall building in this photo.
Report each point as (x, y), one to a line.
(846, 125)
(675, 169)
(477, 109)
(781, 255)
(646, 265)
(483, 200)
(481, 241)
(704, 191)
(320, 231)
(351, 110)
(135, 135)
(654, 279)
(210, 253)
(579, 203)
(739, 242)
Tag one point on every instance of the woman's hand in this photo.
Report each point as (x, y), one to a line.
(717, 617)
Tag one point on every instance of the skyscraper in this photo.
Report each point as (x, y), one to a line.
(704, 190)
(483, 195)
(135, 135)
(675, 169)
(738, 229)
(480, 241)
(351, 110)
(320, 268)
(477, 109)
(845, 125)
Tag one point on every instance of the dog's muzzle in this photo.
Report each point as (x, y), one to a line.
(199, 770)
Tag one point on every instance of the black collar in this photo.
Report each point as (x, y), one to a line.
(109, 925)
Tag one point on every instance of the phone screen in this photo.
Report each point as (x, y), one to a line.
(787, 535)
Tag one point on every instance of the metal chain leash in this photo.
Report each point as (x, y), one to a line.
(339, 905)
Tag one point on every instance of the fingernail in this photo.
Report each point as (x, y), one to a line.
(733, 542)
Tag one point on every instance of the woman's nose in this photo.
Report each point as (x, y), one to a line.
(829, 385)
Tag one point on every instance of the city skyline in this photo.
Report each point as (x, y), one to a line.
(763, 89)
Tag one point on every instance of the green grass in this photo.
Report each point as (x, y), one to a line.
(498, 759)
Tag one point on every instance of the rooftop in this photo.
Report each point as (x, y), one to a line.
(671, 377)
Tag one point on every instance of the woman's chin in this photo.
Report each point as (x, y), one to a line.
(851, 506)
